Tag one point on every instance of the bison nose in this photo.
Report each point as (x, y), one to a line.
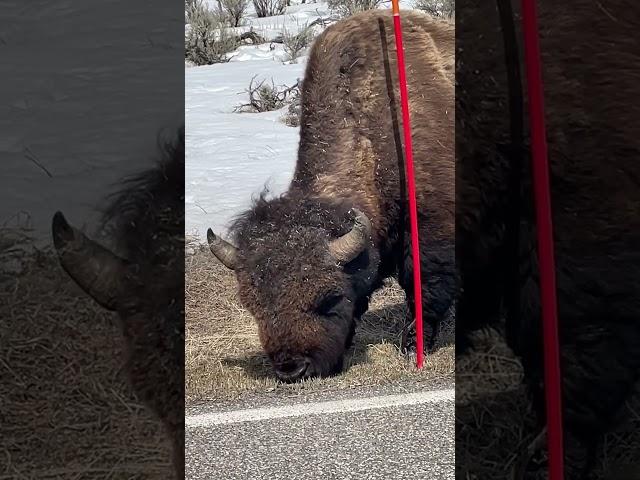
(292, 370)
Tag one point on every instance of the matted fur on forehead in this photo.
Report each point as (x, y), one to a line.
(289, 213)
(282, 246)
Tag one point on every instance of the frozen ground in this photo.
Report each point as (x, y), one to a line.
(230, 157)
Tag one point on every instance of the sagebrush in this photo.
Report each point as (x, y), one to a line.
(437, 8)
(207, 38)
(294, 112)
(266, 98)
(295, 43)
(269, 8)
(346, 8)
(234, 10)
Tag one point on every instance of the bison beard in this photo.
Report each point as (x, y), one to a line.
(307, 261)
(594, 146)
(145, 285)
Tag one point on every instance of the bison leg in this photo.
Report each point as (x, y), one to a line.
(438, 286)
(524, 457)
(478, 304)
(585, 468)
(590, 462)
(408, 341)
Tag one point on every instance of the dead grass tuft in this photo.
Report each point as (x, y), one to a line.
(66, 409)
(224, 359)
(494, 420)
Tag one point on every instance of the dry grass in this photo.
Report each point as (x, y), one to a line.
(66, 410)
(495, 420)
(493, 417)
(224, 359)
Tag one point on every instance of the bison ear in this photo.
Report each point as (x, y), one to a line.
(98, 271)
(223, 251)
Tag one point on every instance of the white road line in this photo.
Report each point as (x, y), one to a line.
(315, 408)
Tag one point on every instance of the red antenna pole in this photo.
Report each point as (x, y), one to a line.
(413, 209)
(542, 198)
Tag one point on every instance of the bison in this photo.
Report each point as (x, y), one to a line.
(308, 260)
(591, 69)
(142, 280)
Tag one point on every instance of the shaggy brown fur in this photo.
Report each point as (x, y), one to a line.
(147, 222)
(350, 156)
(591, 68)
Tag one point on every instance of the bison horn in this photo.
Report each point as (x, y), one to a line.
(98, 271)
(224, 251)
(350, 245)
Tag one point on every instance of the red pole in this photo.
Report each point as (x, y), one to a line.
(542, 197)
(413, 209)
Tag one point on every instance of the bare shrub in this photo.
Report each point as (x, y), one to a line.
(266, 98)
(234, 10)
(255, 38)
(269, 8)
(295, 43)
(292, 117)
(346, 8)
(437, 8)
(207, 39)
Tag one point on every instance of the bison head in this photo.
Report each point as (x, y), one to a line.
(305, 280)
(150, 302)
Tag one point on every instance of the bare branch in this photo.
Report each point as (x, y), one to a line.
(266, 98)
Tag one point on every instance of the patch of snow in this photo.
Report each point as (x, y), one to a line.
(230, 156)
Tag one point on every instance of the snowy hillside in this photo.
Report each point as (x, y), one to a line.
(232, 156)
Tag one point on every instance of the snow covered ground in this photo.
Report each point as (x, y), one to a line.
(81, 103)
(230, 157)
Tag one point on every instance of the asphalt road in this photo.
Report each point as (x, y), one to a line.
(346, 436)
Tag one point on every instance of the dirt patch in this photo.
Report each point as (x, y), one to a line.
(224, 359)
(66, 410)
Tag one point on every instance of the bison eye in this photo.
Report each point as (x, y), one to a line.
(328, 304)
